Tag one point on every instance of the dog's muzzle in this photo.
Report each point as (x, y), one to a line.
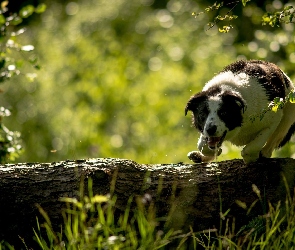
(214, 142)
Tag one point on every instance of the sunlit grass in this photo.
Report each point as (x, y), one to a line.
(92, 223)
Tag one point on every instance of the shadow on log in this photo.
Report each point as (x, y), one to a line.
(190, 195)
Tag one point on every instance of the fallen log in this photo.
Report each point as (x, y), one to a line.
(189, 194)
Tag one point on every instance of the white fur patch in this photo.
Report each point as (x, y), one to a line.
(213, 118)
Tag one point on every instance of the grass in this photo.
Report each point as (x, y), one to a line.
(90, 223)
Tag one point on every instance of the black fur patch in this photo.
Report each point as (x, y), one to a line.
(287, 81)
(213, 91)
(196, 99)
(198, 105)
(268, 75)
(231, 110)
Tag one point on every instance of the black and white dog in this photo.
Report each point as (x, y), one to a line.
(223, 111)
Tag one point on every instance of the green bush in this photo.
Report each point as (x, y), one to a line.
(115, 79)
(13, 56)
(116, 76)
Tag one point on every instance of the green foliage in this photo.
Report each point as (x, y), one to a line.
(275, 105)
(228, 17)
(117, 75)
(244, 2)
(115, 81)
(10, 147)
(13, 54)
(11, 61)
(277, 18)
(272, 18)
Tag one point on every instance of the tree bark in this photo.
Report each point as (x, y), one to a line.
(188, 194)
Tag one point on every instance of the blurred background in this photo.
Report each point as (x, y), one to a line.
(116, 75)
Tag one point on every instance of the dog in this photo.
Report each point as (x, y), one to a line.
(230, 104)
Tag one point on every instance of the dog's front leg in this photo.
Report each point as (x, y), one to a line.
(251, 152)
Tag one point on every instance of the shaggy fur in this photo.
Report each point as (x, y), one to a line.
(223, 111)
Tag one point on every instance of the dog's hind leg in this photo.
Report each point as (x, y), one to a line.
(279, 136)
(251, 152)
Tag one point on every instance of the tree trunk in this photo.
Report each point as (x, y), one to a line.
(191, 195)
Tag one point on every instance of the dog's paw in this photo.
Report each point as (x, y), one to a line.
(198, 157)
(195, 156)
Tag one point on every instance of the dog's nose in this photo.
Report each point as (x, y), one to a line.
(211, 130)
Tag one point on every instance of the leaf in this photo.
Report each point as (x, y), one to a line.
(18, 32)
(99, 199)
(26, 11)
(33, 59)
(225, 29)
(40, 8)
(277, 100)
(16, 20)
(31, 76)
(256, 190)
(27, 48)
(4, 112)
(275, 108)
(221, 18)
(265, 19)
(289, 7)
(2, 63)
(4, 4)
(69, 200)
(276, 104)
(244, 2)
(19, 63)
(11, 67)
(292, 97)
(232, 17)
(241, 204)
(2, 19)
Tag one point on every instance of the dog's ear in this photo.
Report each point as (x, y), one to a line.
(237, 99)
(194, 101)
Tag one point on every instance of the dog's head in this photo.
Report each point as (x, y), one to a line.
(215, 113)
